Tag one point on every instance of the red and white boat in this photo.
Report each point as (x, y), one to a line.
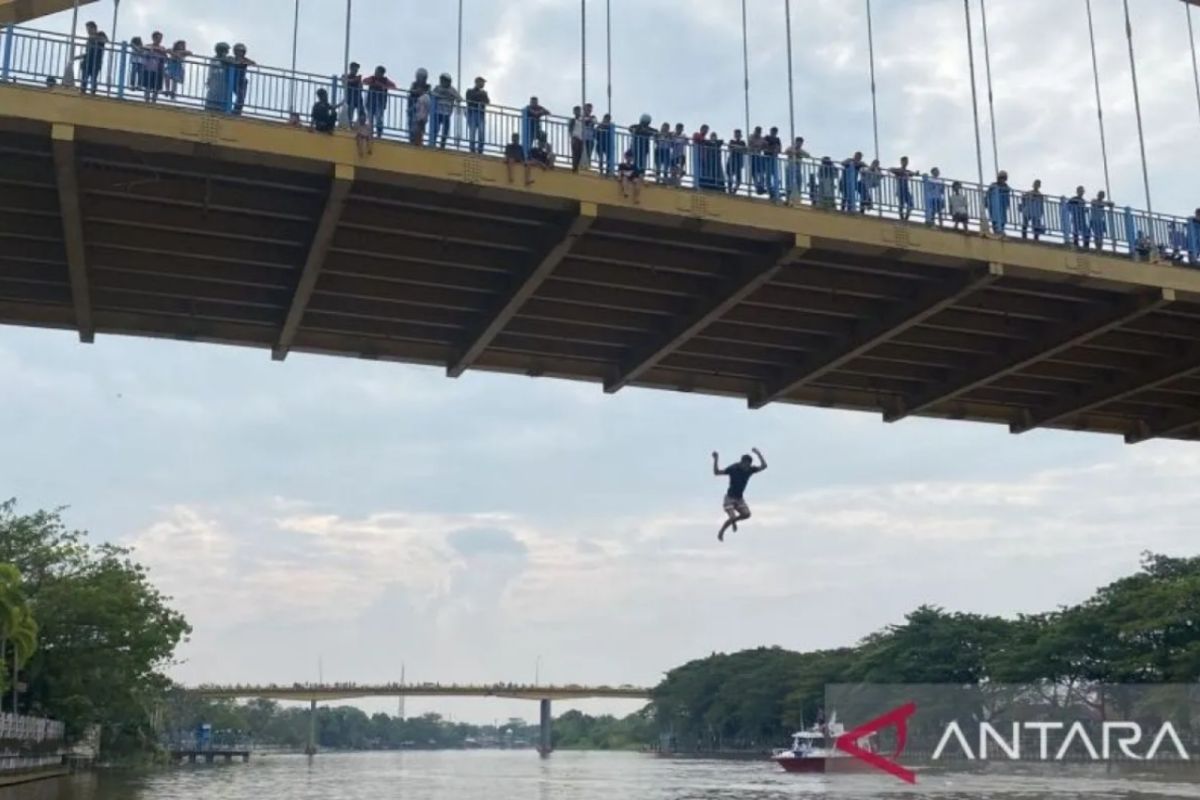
(814, 750)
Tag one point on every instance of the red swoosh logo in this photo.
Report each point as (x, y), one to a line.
(896, 718)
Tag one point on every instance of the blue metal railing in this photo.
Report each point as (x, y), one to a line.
(218, 84)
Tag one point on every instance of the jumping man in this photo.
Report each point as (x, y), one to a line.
(739, 475)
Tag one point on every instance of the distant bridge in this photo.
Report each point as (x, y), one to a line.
(312, 693)
(308, 692)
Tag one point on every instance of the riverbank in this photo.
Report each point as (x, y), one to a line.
(29, 776)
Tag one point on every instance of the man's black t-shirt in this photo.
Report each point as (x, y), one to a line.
(514, 152)
(739, 476)
(323, 118)
(477, 99)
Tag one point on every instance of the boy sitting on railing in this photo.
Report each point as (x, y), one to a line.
(629, 178)
(541, 155)
(362, 136)
(514, 153)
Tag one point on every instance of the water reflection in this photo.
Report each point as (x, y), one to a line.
(568, 776)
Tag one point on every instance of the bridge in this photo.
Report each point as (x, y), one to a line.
(349, 691)
(13, 12)
(312, 693)
(183, 220)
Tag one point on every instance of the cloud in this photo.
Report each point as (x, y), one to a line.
(497, 585)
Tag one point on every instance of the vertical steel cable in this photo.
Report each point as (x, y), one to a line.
(987, 60)
(69, 67)
(1137, 104)
(582, 54)
(608, 47)
(787, 13)
(295, 41)
(871, 50)
(1099, 103)
(746, 65)
(1192, 40)
(345, 114)
(112, 56)
(974, 94)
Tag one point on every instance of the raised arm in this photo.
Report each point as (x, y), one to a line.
(716, 468)
(762, 462)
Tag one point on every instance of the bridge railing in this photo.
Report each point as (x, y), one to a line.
(262, 92)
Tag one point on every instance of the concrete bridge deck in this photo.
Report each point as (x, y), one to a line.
(125, 218)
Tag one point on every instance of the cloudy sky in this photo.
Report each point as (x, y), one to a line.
(369, 515)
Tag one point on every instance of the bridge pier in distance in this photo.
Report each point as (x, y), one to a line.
(545, 741)
(311, 748)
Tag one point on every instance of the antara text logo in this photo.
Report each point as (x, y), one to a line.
(1127, 738)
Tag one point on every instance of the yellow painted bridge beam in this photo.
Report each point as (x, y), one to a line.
(15, 12)
(66, 173)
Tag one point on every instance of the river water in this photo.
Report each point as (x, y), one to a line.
(485, 775)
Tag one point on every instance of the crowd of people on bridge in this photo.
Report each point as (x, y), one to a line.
(758, 164)
(395, 687)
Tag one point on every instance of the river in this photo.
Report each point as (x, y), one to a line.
(487, 775)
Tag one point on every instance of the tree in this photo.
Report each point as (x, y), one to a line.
(18, 629)
(105, 633)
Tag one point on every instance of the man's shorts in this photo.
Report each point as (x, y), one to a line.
(736, 504)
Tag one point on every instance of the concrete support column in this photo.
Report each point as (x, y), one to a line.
(311, 749)
(546, 743)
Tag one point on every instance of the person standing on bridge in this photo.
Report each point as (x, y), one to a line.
(999, 196)
(739, 475)
(176, 68)
(1101, 207)
(606, 137)
(241, 80)
(904, 187)
(217, 89)
(1077, 214)
(92, 58)
(416, 90)
(353, 81)
(1033, 212)
(477, 103)
(154, 67)
(735, 165)
(446, 99)
(378, 85)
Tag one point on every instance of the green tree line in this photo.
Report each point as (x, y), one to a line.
(1141, 629)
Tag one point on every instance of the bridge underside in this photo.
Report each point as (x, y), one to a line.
(125, 219)
(14, 12)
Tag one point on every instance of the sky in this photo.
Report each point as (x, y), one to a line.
(352, 516)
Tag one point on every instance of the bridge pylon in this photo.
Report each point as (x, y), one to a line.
(545, 738)
(310, 749)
